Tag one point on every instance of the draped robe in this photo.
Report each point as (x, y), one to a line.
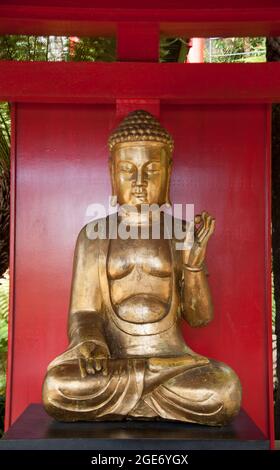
(177, 385)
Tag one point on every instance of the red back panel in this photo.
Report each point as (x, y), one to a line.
(61, 168)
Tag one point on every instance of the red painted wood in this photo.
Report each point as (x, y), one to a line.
(138, 42)
(180, 83)
(187, 17)
(48, 160)
(123, 107)
(147, 4)
(268, 269)
(219, 164)
(11, 267)
(224, 171)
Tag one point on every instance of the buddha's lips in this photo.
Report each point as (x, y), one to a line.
(142, 194)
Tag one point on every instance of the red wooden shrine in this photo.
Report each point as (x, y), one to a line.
(219, 115)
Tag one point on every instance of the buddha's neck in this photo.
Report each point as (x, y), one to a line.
(138, 217)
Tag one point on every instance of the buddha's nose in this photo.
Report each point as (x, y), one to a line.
(140, 181)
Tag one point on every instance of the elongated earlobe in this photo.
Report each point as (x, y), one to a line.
(167, 197)
(113, 200)
(113, 197)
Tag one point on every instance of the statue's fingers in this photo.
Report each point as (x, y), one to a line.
(205, 227)
(212, 227)
(204, 222)
(87, 349)
(208, 219)
(209, 231)
(82, 367)
(189, 238)
(90, 366)
(197, 219)
(198, 223)
(205, 230)
(97, 364)
(104, 364)
(199, 231)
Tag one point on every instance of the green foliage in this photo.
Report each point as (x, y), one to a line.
(41, 48)
(93, 49)
(24, 47)
(4, 186)
(84, 49)
(5, 131)
(173, 49)
(236, 50)
(57, 48)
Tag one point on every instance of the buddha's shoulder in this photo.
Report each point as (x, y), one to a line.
(95, 230)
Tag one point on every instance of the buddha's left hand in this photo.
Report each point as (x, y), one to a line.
(93, 358)
(203, 229)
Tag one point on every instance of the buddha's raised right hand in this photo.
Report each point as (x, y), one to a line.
(93, 358)
(203, 230)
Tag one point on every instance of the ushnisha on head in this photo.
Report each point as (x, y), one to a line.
(141, 157)
(140, 126)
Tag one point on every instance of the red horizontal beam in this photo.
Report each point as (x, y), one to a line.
(186, 17)
(151, 4)
(105, 82)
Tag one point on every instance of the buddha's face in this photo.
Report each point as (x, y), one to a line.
(140, 173)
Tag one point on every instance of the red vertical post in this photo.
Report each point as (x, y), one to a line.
(11, 268)
(138, 42)
(268, 287)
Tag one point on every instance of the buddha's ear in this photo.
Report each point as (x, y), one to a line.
(167, 196)
(113, 199)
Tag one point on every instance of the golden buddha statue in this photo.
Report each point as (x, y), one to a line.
(127, 358)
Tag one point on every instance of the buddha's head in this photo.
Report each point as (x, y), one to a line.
(141, 158)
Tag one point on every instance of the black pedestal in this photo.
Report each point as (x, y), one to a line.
(34, 429)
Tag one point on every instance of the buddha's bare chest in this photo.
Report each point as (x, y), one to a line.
(139, 273)
(150, 256)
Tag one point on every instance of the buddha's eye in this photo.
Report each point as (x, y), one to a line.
(126, 168)
(152, 168)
